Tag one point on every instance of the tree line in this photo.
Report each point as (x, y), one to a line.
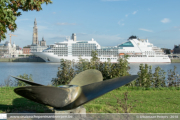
(68, 69)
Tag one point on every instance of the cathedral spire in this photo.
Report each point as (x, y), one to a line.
(35, 34)
(35, 23)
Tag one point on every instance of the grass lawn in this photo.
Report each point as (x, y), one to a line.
(10, 102)
(138, 101)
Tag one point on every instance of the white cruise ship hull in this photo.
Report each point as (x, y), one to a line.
(50, 57)
(138, 50)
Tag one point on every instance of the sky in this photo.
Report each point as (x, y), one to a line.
(109, 22)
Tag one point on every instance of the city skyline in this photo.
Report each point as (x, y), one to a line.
(109, 22)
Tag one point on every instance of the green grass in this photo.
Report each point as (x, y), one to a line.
(163, 100)
(10, 102)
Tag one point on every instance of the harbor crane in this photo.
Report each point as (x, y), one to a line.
(10, 37)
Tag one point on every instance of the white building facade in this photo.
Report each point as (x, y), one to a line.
(8, 50)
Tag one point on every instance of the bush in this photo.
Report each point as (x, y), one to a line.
(148, 79)
(26, 77)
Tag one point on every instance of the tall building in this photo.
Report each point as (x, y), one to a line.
(74, 37)
(35, 34)
(36, 47)
(43, 42)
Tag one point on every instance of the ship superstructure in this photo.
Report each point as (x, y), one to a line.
(138, 50)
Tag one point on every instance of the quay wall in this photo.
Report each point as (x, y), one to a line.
(175, 60)
(21, 60)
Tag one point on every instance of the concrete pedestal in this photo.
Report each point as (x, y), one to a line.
(73, 114)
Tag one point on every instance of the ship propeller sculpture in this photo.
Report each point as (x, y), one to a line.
(83, 88)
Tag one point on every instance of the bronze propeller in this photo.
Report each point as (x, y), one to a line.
(83, 88)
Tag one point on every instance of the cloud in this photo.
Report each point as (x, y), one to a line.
(54, 12)
(113, 0)
(165, 20)
(145, 30)
(65, 23)
(135, 12)
(126, 15)
(120, 23)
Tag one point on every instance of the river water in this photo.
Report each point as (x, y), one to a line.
(44, 72)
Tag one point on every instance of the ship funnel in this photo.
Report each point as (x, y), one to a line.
(74, 37)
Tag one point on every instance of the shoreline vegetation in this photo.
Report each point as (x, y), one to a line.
(149, 93)
(68, 70)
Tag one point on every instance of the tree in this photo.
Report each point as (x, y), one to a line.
(65, 73)
(159, 77)
(81, 65)
(9, 11)
(94, 62)
(145, 76)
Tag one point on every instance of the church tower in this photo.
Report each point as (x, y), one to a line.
(35, 34)
(43, 42)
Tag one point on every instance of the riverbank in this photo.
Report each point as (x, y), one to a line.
(38, 59)
(34, 59)
(164, 100)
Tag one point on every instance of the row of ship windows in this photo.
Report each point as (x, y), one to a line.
(146, 56)
(130, 51)
(98, 54)
(91, 51)
(83, 44)
(102, 50)
(59, 48)
(93, 48)
(84, 51)
(149, 51)
(82, 54)
(72, 49)
(144, 51)
(90, 54)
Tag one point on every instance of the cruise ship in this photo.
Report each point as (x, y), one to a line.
(138, 50)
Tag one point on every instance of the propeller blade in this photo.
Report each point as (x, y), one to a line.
(87, 77)
(28, 82)
(57, 97)
(68, 97)
(95, 90)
